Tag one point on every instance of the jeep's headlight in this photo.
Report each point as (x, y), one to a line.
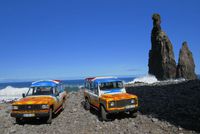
(132, 101)
(112, 104)
(15, 107)
(45, 106)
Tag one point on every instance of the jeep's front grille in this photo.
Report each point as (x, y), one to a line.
(29, 107)
(122, 103)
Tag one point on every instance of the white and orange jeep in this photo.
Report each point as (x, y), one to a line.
(43, 99)
(108, 95)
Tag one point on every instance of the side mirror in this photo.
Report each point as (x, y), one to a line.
(23, 95)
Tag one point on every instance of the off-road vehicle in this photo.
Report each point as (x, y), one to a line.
(43, 99)
(108, 96)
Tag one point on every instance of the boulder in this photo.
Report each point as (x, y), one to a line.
(186, 66)
(161, 56)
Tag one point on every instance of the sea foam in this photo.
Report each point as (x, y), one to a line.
(149, 79)
(11, 93)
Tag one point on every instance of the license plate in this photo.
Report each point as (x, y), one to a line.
(29, 115)
(129, 106)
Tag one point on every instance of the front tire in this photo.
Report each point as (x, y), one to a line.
(49, 120)
(133, 114)
(18, 121)
(103, 114)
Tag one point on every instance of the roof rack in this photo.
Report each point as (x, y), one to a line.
(55, 81)
(100, 77)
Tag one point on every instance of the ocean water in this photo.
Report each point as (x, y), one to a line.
(13, 90)
(70, 85)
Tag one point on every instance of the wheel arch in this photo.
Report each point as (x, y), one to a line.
(52, 106)
(102, 103)
(87, 98)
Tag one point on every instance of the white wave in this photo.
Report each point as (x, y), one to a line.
(11, 93)
(149, 79)
(174, 80)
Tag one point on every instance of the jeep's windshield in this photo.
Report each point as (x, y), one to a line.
(111, 85)
(40, 91)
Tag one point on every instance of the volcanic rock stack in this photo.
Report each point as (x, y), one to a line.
(186, 66)
(161, 56)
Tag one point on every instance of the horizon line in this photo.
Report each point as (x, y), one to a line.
(10, 80)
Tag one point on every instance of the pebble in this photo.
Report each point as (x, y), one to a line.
(180, 129)
(74, 110)
(12, 130)
(154, 120)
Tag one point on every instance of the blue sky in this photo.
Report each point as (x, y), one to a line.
(77, 38)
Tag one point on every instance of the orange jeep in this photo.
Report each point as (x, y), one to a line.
(43, 99)
(108, 95)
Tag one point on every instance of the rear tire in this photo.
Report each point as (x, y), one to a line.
(87, 104)
(49, 120)
(103, 114)
(63, 105)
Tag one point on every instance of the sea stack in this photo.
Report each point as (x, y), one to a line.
(161, 56)
(186, 66)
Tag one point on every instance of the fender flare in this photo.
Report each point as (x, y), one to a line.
(102, 103)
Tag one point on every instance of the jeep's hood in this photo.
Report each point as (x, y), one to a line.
(30, 100)
(120, 96)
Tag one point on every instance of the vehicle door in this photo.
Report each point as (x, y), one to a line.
(88, 90)
(58, 97)
(62, 93)
(95, 95)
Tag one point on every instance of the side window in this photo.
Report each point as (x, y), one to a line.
(87, 85)
(92, 86)
(60, 88)
(56, 89)
(96, 89)
(31, 91)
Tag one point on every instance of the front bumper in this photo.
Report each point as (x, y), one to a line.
(123, 110)
(24, 114)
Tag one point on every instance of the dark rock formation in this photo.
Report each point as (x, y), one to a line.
(186, 66)
(161, 56)
(178, 103)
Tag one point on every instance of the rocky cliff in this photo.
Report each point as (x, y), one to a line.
(161, 56)
(186, 66)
